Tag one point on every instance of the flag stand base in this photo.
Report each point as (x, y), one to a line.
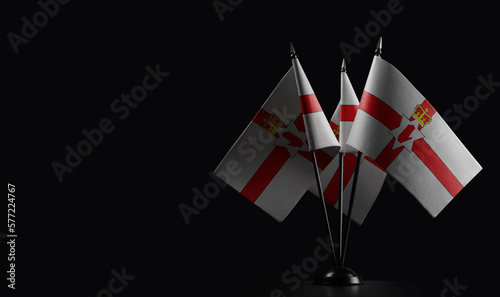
(339, 276)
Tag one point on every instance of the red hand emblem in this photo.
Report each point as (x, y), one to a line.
(405, 134)
(294, 140)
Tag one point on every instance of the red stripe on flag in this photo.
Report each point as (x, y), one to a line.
(374, 163)
(380, 110)
(265, 174)
(387, 155)
(306, 155)
(331, 192)
(348, 112)
(335, 129)
(260, 116)
(437, 166)
(299, 123)
(309, 104)
(322, 158)
(431, 111)
(349, 167)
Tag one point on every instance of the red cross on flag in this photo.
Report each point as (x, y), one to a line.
(399, 129)
(270, 163)
(318, 131)
(371, 176)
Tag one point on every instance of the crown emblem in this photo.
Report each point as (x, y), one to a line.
(336, 132)
(271, 124)
(421, 115)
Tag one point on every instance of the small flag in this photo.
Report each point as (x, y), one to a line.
(319, 133)
(348, 107)
(397, 127)
(371, 176)
(270, 163)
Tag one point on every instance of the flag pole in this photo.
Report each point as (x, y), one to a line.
(341, 275)
(341, 191)
(320, 191)
(336, 275)
(341, 204)
(351, 204)
(293, 56)
(378, 52)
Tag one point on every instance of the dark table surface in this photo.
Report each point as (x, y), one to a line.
(368, 289)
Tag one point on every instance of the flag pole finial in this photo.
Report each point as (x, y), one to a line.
(378, 50)
(293, 55)
(343, 67)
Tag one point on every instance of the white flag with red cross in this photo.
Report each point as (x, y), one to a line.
(371, 176)
(270, 163)
(318, 130)
(399, 129)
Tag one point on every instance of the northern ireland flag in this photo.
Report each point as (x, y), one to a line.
(270, 163)
(371, 176)
(399, 129)
(318, 130)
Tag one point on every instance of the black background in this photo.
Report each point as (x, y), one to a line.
(119, 207)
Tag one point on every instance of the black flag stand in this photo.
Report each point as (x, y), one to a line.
(320, 191)
(351, 203)
(341, 202)
(293, 56)
(339, 274)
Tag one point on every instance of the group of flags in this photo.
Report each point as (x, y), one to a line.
(395, 128)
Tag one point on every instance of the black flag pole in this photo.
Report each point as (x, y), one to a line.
(351, 206)
(320, 191)
(341, 275)
(293, 56)
(378, 52)
(341, 191)
(341, 204)
(337, 275)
